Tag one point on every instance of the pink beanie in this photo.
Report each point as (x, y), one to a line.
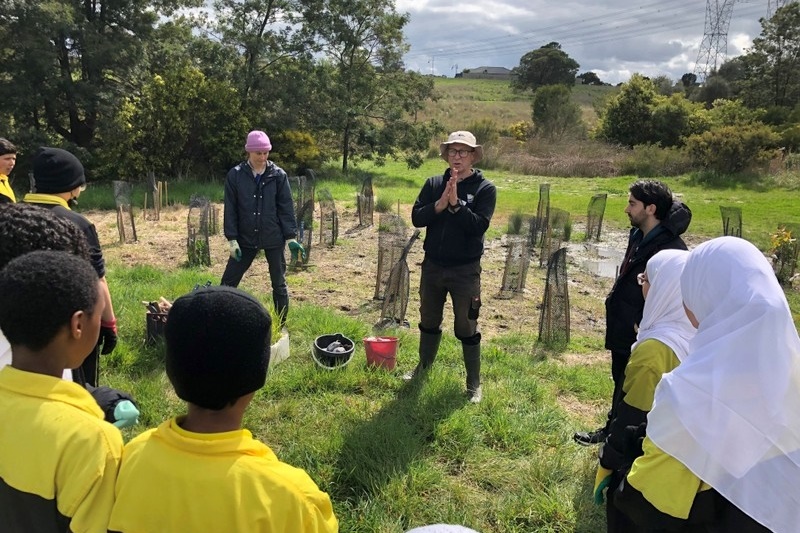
(257, 141)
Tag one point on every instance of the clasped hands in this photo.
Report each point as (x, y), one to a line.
(449, 198)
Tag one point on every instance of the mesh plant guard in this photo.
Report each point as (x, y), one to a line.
(303, 194)
(517, 263)
(554, 320)
(785, 254)
(198, 225)
(392, 236)
(125, 222)
(328, 218)
(539, 224)
(153, 192)
(594, 216)
(366, 203)
(731, 221)
(395, 301)
(558, 230)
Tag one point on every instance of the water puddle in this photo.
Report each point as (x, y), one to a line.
(600, 260)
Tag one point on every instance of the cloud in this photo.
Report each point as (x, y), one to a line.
(615, 37)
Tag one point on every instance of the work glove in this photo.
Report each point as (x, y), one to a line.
(297, 250)
(125, 414)
(236, 252)
(108, 336)
(601, 482)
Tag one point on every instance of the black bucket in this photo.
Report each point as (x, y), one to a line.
(330, 360)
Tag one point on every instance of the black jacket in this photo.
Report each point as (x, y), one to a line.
(625, 303)
(455, 238)
(259, 213)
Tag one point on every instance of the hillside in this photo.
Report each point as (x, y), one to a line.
(460, 102)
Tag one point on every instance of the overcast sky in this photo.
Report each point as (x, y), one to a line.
(613, 38)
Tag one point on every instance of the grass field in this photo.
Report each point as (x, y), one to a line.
(462, 101)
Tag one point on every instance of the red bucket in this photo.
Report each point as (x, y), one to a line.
(381, 351)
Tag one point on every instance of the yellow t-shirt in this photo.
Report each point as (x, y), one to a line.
(172, 481)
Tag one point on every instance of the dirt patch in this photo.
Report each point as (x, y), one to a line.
(343, 277)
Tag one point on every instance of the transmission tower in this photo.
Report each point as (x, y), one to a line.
(714, 47)
(773, 6)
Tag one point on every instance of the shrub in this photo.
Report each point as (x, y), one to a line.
(383, 205)
(520, 131)
(650, 160)
(733, 149)
(515, 223)
(484, 130)
(298, 149)
(555, 114)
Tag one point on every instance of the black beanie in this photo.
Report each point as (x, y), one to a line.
(218, 341)
(56, 171)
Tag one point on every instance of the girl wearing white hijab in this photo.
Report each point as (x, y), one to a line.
(661, 343)
(727, 418)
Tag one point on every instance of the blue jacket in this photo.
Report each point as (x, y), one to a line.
(259, 212)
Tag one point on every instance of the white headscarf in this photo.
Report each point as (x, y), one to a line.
(731, 411)
(664, 318)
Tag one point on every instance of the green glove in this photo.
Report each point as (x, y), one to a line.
(236, 252)
(601, 481)
(125, 414)
(297, 249)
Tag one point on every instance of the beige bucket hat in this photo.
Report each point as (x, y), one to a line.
(462, 137)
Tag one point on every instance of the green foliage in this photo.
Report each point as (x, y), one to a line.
(296, 149)
(181, 123)
(732, 113)
(548, 65)
(733, 149)
(651, 160)
(555, 115)
(714, 88)
(589, 78)
(384, 204)
(673, 119)
(770, 67)
(626, 119)
(520, 131)
(484, 130)
(515, 221)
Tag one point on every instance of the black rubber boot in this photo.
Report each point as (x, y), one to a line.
(472, 362)
(281, 304)
(428, 347)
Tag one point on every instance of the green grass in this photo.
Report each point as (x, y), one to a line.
(462, 101)
(391, 454)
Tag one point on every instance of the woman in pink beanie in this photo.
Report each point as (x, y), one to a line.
(259, 215)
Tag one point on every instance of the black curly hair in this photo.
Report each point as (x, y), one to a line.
(653, 192)
(40, 293)
(25, 228)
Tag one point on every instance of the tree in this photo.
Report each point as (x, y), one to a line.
(548, 65)
(180, 122)
(370, 96)
(555, 115)
(689, 80)
(590, 78)
(626, 119)
(773, 64)
(69, 63)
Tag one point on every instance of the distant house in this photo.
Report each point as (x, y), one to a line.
(487, 73)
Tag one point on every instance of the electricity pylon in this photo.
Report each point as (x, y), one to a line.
(714, 47)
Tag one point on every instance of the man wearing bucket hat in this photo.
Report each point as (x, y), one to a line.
(59, 180)
(259, 215)
(456, 208)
